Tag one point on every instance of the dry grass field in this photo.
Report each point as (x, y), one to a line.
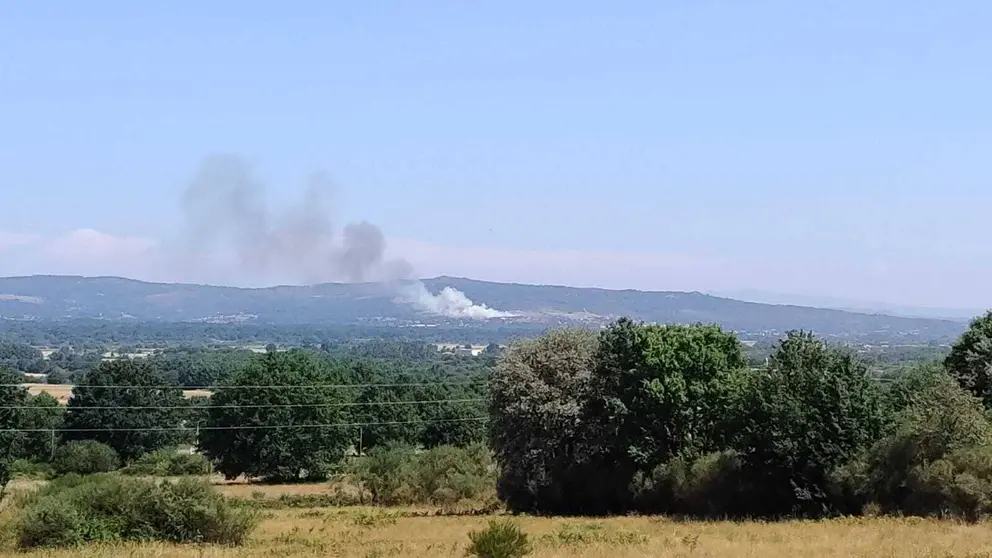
(363, 532)
(367, 533)
(63, 391)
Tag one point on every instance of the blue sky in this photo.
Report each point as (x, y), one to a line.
(823, 148)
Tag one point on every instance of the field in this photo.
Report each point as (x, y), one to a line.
(63, 391)
(365, 532)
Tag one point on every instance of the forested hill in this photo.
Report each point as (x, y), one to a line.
(110, 298)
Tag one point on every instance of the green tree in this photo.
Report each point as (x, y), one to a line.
(659, 392)
(124, 404)
(935, 461)
(389, 414)
(284, 433)
(12, 439)
(537, 392)
(45, 417)
(808, 413)
(451, 415)
(970, 359)
(661, 389)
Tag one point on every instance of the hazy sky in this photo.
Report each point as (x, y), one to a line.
(831, 148)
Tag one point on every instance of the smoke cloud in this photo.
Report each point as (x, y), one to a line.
(452, 303)
(225, 207)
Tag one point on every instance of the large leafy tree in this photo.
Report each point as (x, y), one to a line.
(970, 359)
(385, 405)
(537, 393)
(660, 390)
(277, 419)
(12, 438)
(44, 417)
(126, 405)
(451, 414)
(812, 409)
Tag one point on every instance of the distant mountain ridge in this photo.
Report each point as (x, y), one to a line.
(861, 306)
(48, 297)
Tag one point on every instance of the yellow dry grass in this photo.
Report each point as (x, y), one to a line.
(367, 533)
(62, 392)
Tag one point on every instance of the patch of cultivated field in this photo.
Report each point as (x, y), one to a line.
(368, 532)
(62, 392)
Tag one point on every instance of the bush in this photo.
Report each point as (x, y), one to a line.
(28, 469)
(502, 539)
(398, 474)
(109, 508)
(712, 486)
(937, 462)
(168, 463)
(85, 458)
(813, 408)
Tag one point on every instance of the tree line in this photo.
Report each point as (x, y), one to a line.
(670, 419)
(634, 418)
(278, 416)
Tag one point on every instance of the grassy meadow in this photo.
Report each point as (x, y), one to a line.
(366, 532)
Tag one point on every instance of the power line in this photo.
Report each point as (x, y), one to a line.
(277, 386)
(250, 406)
(247, 427)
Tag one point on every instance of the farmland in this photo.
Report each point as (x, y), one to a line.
(62, 392)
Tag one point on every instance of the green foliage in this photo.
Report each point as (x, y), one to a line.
(712, 486)
(387, 410)
(46, 417)
(913, 386)
(807, 414)
(396, 474)
(199, 366)
(385, 474)
(659, 390)
(970, 360)
(20, 357)
(168, 463)
(109, 508)
(12, 442)
(85, 457)
(308, 440)
(537, 394)
(133, 421)
(501, 539)
(936, 461)
(36, 470)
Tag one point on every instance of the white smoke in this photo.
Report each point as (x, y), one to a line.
(451, 302)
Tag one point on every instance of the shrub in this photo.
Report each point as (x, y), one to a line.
(711, 486)
(398, 474)
(169, 463)
(937, 462)
(104, 508)
(28, 469)
(85, 458)
(501, 539)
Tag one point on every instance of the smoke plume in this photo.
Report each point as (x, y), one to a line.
(225, 207)
(452, 303)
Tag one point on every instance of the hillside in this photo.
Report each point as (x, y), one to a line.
(49, 298)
